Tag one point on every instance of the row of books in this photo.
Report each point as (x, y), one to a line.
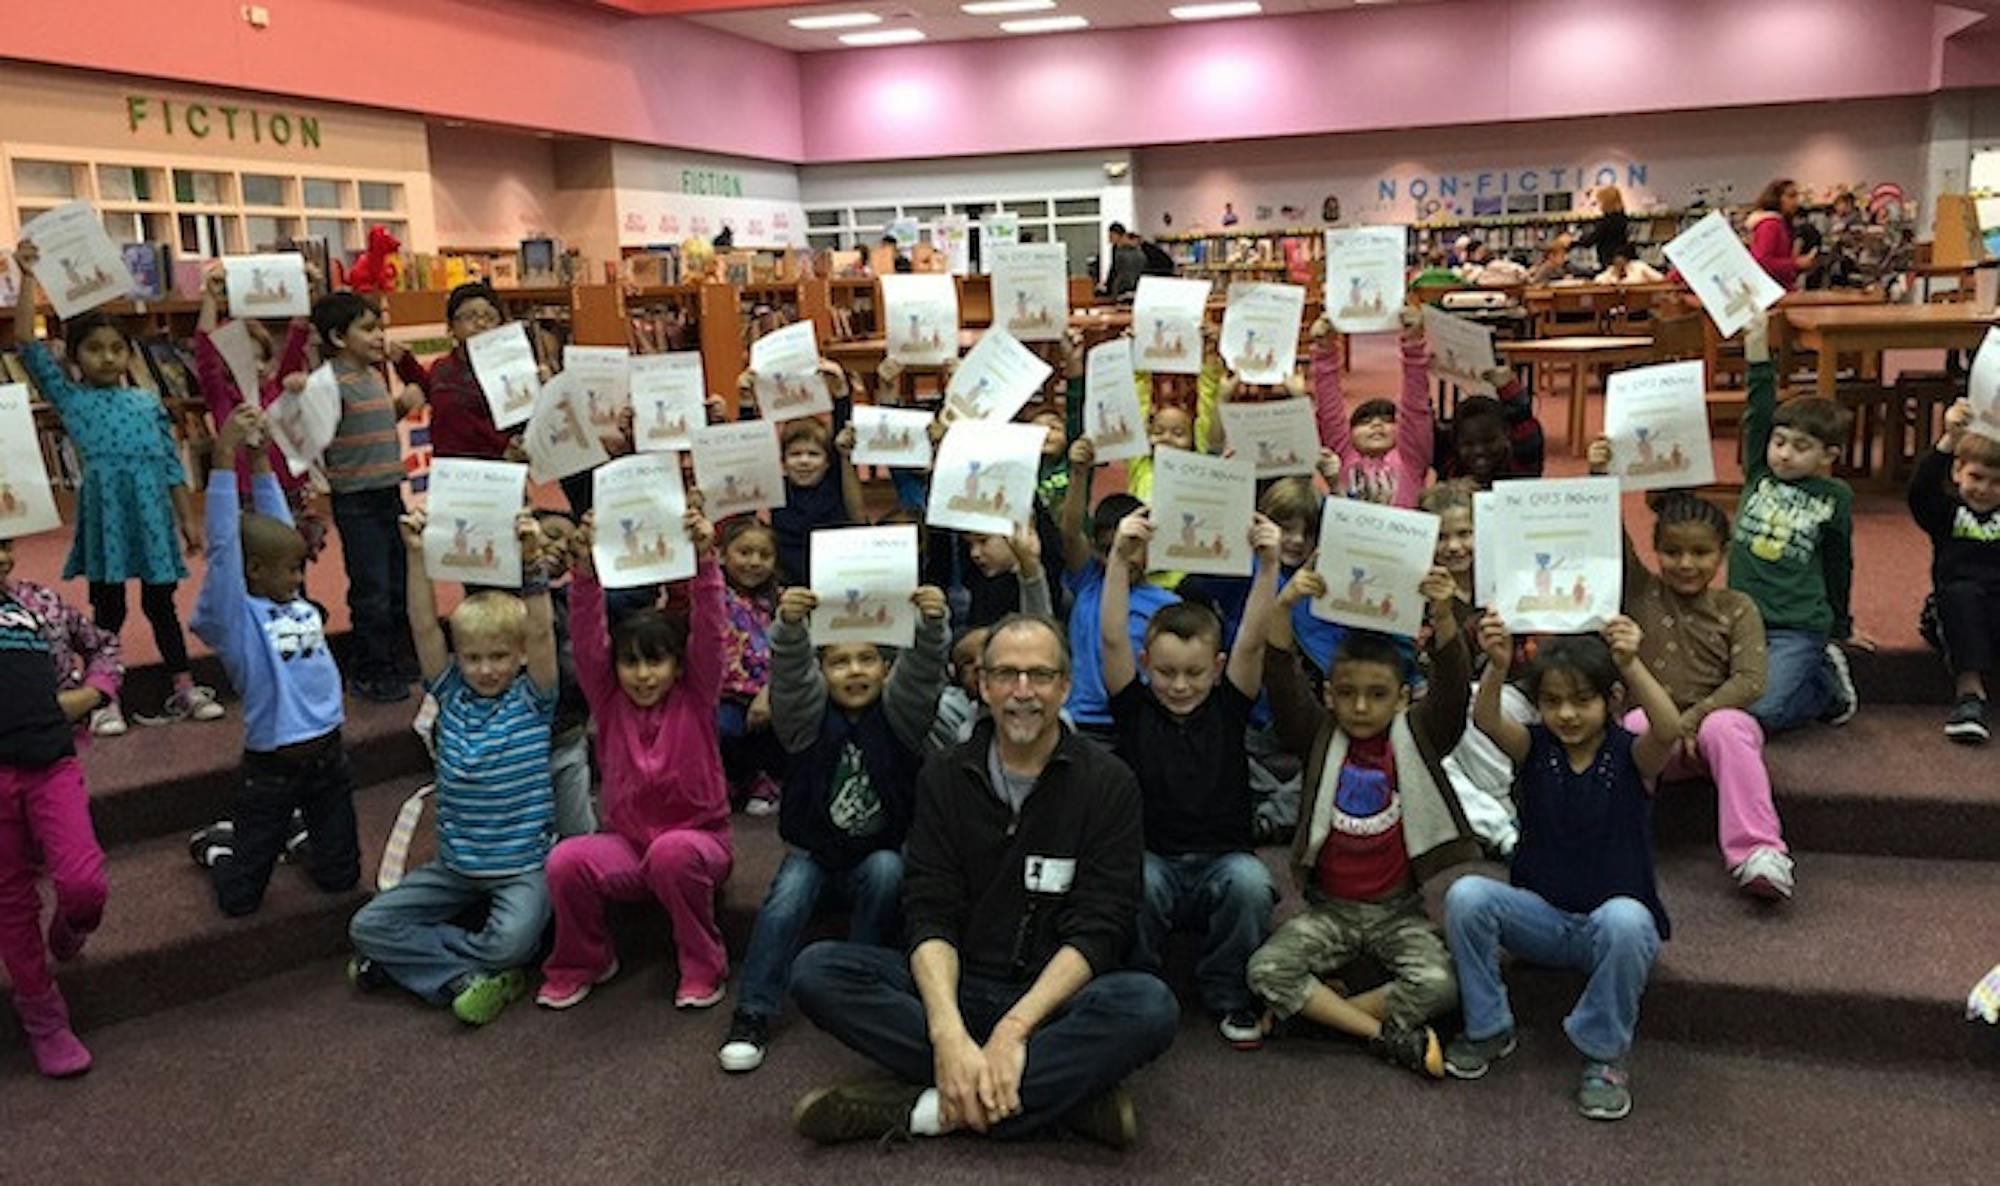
(158, 363)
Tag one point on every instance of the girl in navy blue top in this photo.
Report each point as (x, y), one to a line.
(1583, 894)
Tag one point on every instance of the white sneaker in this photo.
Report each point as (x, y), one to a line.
(701, 1002)
(108, 721)
(549, 998)
(1846, 701)
(1766, 873)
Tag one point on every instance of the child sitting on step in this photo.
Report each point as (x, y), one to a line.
(1583, 894)
(654, 685)
(1962, 517)
(496, 687)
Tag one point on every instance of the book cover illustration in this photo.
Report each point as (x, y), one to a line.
(984, 476)
(896, 437)
(469, 532)
(864, 577)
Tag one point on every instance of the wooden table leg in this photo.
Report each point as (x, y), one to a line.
(1829, 365)
(1579, 392)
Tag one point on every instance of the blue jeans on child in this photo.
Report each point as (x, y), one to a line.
(872, 891)
(1614, 944)
(1798, 688)
(409, 933)
(1226, 898)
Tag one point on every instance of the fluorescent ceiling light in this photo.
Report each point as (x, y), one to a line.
(1045, 24)
(883, 37)
(1215, 12)
(838, 20)
(1004, 7)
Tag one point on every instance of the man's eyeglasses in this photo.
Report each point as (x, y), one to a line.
(1007, 677)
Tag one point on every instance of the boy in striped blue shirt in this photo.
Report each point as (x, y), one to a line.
(495, 803)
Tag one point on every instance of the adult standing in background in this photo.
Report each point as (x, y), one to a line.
(1611, 235)
(1770, 227)
(1132, 257)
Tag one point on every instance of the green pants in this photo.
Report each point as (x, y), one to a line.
(1331, 932)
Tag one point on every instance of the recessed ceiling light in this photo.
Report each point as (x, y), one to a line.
(1045, 24)
(1004, 7)
(1215, 12)
(883, 37)
(838, 20)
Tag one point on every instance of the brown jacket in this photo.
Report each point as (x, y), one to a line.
(1434, 828)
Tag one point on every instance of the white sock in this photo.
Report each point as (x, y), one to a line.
(924, 1121)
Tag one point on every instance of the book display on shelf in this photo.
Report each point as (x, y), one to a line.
(1296, 253)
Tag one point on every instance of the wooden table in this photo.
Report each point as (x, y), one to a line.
(1583, 355)
(1836, 329)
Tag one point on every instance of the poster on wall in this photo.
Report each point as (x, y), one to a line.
(1364, 278)
(27, 505)
(1167, 317)
(80, 267)
(1374, 558)
(267, 285)
(1112, 417)
(469, 521)
(1260, 331)
(904, 231)
(1657, 419)
(1031, 290)
(1732, 286)
(1558, 554)
(920, 317)
(997, 228)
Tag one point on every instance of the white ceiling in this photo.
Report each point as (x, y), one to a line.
(942, 21)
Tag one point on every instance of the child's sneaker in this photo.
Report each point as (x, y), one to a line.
(763, 797)
(294, 852)
(1470, 1058)
(481, 999)
(695, 998)
(556, 995)
(1604, 1094)
(1411, 1049)
(1846, 701)
(365, 974)
(210, 845)
(1243, 1029)
(389, 690)
(191, 703)
(1766, 873)
(108, 721)
(743, 1050)
(1967, 722)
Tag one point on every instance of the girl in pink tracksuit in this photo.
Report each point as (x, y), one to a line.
(1385, 448)
(653, 689)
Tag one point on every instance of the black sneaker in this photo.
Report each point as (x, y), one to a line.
(1243, 1029)
(863, 1110)
(1967, 722)
(1411, 1049)
(365, 974)
(1108, 1118)
(212, 844)
(382, 691)
(1470, 1058)
(743, 1050)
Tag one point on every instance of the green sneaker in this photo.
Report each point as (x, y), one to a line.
(1604, 1093)
(480, 999)
(1470, 1058)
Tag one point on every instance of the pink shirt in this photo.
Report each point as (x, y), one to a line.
(1396, 477)
(662, 770)
(1771, 247)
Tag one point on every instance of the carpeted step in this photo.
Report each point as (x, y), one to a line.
(170, 780)
(1886, 784)
(1900, 676)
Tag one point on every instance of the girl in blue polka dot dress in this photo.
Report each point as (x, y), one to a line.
(134, 514)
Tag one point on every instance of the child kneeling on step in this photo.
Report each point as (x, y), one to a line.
(496, 696)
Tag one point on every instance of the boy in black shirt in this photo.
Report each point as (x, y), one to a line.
(1182, 733)
(1955, 498)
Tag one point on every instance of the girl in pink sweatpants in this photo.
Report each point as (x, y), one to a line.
(1706, 645)
(653, 688)
(1384, 448)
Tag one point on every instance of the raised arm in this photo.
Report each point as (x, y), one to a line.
(1760, 380)
(1246, 657)
(589, 630)
(1836, 557)
(1033, 579)
(797, 687)
(292, 357)
(1663, 721)
(544, 661)
(1440, 715)
(1294, 710)
(1510, 735)
(1076, 505)
(433, 656)
(26, 256)
(1416, 423)
(1121, 667)
(220, 598)
(1329, 401)
(708, 624)
(916, 680)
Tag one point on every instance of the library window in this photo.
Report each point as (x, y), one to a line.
(1076, 208)
(205, 234)
(381, 195)
(267, 232)
(1034, 209)
(200, 187)
(46, 179)
(1082, 241)
(823, 218)
(263, 189)
(321, 194)
(124, 183)
(923, 212)
(333, 230)
(875, 216)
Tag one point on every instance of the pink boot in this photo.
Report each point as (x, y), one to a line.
(57, 1052)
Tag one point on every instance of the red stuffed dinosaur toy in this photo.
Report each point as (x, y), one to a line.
(377, 269)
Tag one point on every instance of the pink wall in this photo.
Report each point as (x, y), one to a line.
(492, 188)
(559, 66)
(1473, 61)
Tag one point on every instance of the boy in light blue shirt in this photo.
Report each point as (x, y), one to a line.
(273, 644)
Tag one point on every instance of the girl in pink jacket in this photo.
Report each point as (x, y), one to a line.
(1384, 447)
(653, 688)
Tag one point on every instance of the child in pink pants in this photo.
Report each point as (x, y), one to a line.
(44, 805)
(653, 687)
(1707, 647)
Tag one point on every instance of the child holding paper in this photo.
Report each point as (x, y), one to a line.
(751, 756)
(1384, 447)
(1706, 646)
(272, 642)
(814, 497)
(496, 695)
(1377, 822)
(1492, 438)
(461, 416)
(1793, 549)
(364, 466)
(1962, 517)
(655, 686)
(1583, 894)
(1086, 553)
(134, 514)
(853, 728)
